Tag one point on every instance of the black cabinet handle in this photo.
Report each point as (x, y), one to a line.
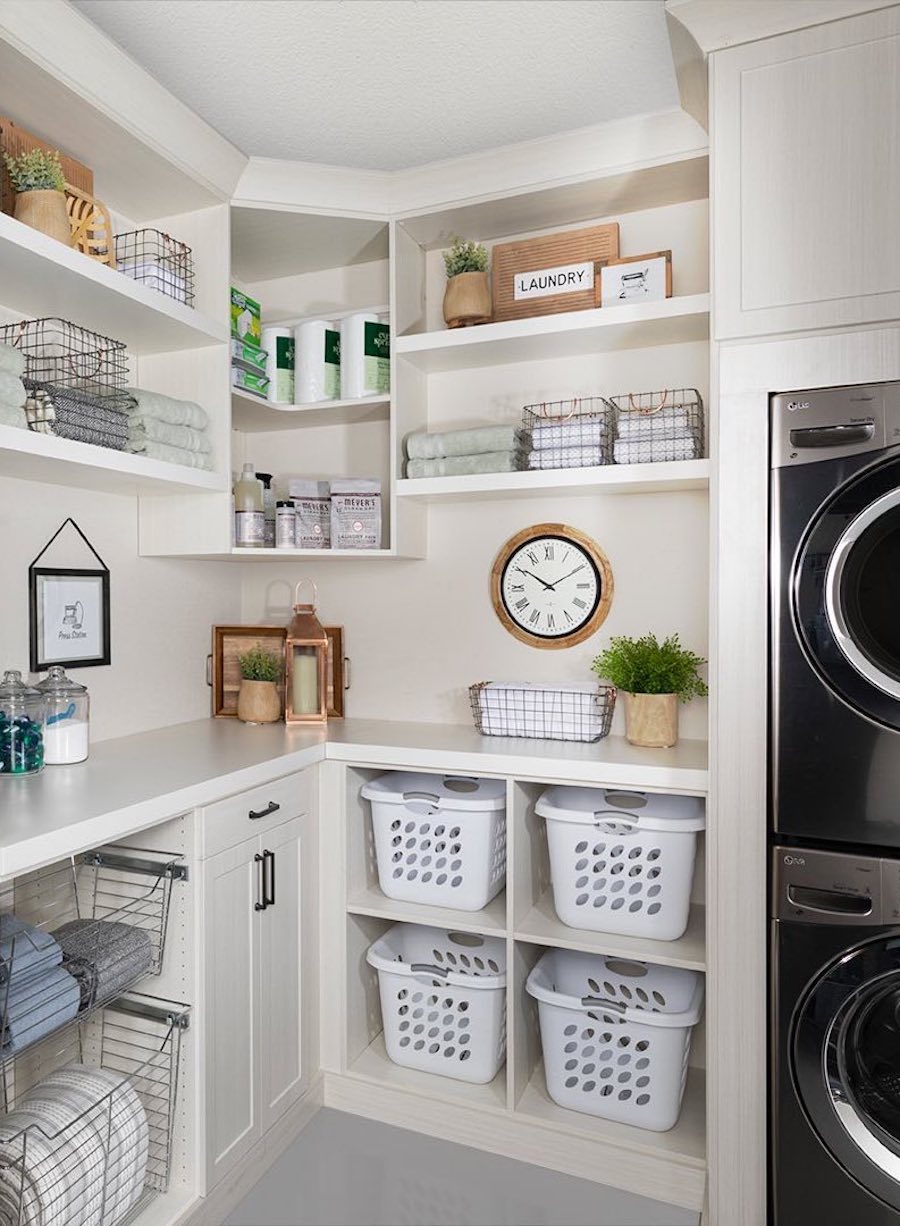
(256, 814)
(269, 885)
(260, 904)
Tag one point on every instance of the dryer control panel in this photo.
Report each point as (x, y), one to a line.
(825, 887)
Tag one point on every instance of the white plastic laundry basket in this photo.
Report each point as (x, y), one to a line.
(439, 839)
(616, 1035)
(622, 861)
(443, 1000)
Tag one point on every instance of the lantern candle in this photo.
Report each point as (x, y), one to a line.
(306, 664)
(306, 681)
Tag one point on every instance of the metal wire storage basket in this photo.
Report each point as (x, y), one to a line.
(569, 433)
(652, 427)
(158, 260)
(552, 713)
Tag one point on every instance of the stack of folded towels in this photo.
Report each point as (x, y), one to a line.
(163, 428)
(37, 994)
(579, 441)
(74, 1151)
(460, 453)
(12, 389)
(664, 434)
(105, 957)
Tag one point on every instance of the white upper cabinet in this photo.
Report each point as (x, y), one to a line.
(806, 134)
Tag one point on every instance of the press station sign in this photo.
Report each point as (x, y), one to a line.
(548, 282)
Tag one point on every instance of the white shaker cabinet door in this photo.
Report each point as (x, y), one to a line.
(231, 890)
(806, 178)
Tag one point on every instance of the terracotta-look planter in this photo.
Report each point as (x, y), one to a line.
(651, 720)
(259, 702)
(45, 211)
(467, 300)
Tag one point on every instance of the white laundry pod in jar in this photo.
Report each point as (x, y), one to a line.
(439, 839)
(620, 860)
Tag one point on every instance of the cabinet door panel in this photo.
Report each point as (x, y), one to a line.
(231, 989)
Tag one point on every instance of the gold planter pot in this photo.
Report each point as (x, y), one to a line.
(259, 702)
(651, 720)
(467, 300)
(45, 210)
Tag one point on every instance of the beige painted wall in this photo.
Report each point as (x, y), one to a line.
(161, 610)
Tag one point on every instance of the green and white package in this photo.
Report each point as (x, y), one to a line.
(251, 357)
(377, 351)
(245, 317)
(279, 343)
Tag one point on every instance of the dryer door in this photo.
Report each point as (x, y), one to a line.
(845, 1054)
(846, 592)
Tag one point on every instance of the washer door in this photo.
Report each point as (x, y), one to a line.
(846, 593)
(845, 1058)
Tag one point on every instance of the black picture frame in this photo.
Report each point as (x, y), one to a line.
(40, 658)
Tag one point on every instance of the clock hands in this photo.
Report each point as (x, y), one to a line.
(549, 586)
(571, 573)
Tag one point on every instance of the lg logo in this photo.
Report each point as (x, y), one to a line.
(794, 860)
(794, 405)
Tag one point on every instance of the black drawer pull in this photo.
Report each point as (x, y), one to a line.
(256, 814)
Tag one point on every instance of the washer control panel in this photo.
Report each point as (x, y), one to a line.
(826, 887)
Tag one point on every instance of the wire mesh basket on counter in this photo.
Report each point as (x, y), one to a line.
(653, 427)
(569, 433)
(552, 713)
(158, 260)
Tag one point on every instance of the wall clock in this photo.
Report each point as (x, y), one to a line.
(551, 586)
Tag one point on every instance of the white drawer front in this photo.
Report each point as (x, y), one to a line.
(229, 822)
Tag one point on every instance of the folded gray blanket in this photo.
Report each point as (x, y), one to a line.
(166, 408)
(480, 440)
(37, 1006)
(467, 465)
(105, 957)
(12, 360)
(151, 429)
(171, 455)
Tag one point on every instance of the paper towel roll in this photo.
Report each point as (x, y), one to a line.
(365, 356)
(279, 346)
(317, 361)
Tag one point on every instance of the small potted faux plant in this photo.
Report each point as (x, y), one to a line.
(467, 298)
(653, 677)
(40, 187)
(259, 698)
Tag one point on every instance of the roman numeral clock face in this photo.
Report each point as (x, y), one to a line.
(551, 586)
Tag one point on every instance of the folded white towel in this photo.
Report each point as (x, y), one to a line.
(567, 457)
(10, 416)
(656, 450)
(166, 408)
(650, 425)
(575, 433)
(153, 430)
(12, 360)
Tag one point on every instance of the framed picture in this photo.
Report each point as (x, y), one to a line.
(230, 642)
(69, 618)
(636, 278)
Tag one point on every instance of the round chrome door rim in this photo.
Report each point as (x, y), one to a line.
(847, 1116)
(833, 610)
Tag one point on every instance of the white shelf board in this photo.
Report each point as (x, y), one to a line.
(60, 461)
(268, 243)
(491, 920)
(317, 555)
(542, 337)
(375, 1066)
(609, 479)
(686, 1142)
(541, 926)
(39, 276)
(251, 414)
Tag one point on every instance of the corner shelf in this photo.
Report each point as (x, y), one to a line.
(41, 276)
(250, 413)
(541, 926)
(491, 921)
(608, 479)
(375, 1066)
(542, 337)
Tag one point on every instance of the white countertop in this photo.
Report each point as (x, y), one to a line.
(134, 782)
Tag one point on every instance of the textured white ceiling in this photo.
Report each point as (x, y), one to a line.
(387, 84)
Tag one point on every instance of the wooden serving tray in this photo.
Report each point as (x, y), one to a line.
(597, 244)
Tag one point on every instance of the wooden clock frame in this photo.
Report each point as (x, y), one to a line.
(604, 571)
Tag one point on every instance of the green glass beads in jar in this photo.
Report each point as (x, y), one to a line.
(21, 727)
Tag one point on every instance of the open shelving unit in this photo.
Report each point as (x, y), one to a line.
(609, 479)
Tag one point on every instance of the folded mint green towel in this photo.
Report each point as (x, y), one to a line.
(10, 415)
(151, 429)
(171, 455)
(12, 360)
(480, 440)
(12, 389)
(466, 465)
(166, 408)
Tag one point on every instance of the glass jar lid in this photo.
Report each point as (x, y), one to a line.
(12, 687)
(57, 684)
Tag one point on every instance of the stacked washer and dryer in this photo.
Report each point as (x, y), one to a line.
(834, 671)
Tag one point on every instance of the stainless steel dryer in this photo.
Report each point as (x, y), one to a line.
(835, 615)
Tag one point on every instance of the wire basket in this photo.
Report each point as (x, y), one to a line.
(89, 1130)
(158, 260)
(654, 427)
(569, 433)
(75, 936)
(552, 713)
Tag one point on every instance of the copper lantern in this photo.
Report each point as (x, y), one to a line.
(305, 664)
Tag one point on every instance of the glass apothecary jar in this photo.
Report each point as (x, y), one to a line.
(21, 727)
(68, 709)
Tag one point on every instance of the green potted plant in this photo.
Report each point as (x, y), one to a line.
(652, 677)
(467, 298)
(259, 698)
(40, 187)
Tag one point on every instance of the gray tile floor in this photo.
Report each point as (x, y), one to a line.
(347, 1171)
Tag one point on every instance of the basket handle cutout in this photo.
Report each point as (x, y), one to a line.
(621, 966)
(610, 817)
(469, 939)
(428, 968)
(460, 783)
(599, 1002)
(620, 799)
(430, 797)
